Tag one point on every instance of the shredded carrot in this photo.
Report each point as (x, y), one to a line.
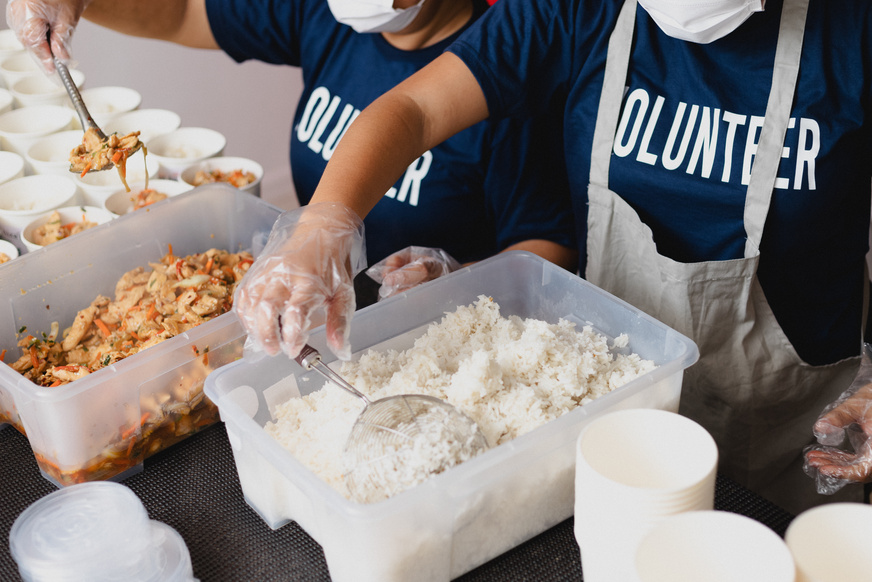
(152, 312)
(209, 265)
(134, 336)
(2, 355)
(55, 384)
(195, 350)
(87, 168)
(34, 358)
(104, 329)
(117, 156)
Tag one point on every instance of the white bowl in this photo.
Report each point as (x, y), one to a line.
(23, 199)
(20, 128)
(8, 249)
(106, 103)
(9, 43)
(51, 154)
(226, 164)
(68, 214)
(11, 166)
(96, 187)
(7, 101)
(150, 123)
(178, 149)
(120, 202)
(830, 543)
(17, 66)
(41, 90)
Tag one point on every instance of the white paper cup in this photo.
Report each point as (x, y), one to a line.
(7, 101)
(96, 531)
(832, 543)
(40, 90)
(178, 149)
(633, 469)
(106, 103)
(11, 166)
(120, 202)
(226, 164)
(9, 44)
(23, 199)
(68, 215)
(17, 66)
(51, 154)
(150, 123)
(21, 128)
(712, 546)
(96, 187)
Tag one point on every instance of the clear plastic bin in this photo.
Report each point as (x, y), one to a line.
(473, 512)
(90, 429)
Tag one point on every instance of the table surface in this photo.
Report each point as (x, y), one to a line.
(193, 487)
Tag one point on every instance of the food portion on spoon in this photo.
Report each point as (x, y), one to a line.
(100, 152)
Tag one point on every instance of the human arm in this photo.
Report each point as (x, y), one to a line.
(183, 22)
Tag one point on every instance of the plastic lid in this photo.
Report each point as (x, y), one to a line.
(96, 531)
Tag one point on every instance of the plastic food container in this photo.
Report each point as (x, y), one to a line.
(476, 511)
(90, 429)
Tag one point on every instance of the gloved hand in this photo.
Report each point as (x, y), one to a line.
(849, 419)
(302, 277)
(410, 267)
(33, 19)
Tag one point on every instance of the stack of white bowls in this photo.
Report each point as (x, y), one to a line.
(634, 468)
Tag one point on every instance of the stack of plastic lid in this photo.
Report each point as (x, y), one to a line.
(96, 531)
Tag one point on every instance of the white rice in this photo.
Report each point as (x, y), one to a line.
(510, 375)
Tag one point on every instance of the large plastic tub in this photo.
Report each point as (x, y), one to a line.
(91, 429)
(471, 513)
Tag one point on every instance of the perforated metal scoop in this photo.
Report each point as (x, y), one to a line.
(399, 441)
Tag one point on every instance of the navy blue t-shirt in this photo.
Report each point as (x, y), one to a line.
(490, 186)
(688, 132)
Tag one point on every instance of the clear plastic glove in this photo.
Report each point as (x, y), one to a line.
(848, 420)
(303, 277)
(410, 267)
(33, 19)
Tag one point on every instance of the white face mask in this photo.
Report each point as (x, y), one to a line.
(373, 15)
(700, 21)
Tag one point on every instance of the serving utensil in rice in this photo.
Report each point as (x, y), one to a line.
(399, 441)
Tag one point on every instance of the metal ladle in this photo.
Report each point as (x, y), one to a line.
(377, 453)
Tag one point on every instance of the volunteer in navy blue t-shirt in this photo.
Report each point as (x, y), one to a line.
(495, 186)
(720, 193)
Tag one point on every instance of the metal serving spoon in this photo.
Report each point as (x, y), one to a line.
(379, 457)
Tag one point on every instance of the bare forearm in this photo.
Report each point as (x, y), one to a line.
(556, 253)
(180, 21)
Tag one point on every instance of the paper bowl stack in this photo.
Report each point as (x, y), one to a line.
(635, 468)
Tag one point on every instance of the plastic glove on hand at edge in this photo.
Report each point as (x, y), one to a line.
(409, 268)
(303, 277)
(31, 20)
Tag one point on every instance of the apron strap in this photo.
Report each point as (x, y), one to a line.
(614, 82)
(768, 157)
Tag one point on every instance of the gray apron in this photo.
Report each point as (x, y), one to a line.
(749, 389)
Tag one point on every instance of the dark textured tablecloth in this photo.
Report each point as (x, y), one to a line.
(194, 487)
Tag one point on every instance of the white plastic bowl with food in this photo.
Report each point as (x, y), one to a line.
(17, 66)
(8, 251)
(108, 102)
(23, 199)
(178, 149)
(21, 128)
(51, 154)
(122, 201)
(40, 90)
(96, 187)
(241, 173)
(150, 123)
(62, 223)
(11, 166)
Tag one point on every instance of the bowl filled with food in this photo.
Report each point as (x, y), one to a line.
(8, 251)
(97, 186)
(241, 173)
(23, 199)
(178, 149)
(112, 332)
(61, 224)
(143, 194)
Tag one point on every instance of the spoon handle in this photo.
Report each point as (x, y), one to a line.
(310, 359)
(76, 97)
